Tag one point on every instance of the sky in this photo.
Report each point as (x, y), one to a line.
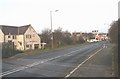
(72, 15)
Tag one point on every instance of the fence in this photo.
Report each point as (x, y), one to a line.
(8, 50)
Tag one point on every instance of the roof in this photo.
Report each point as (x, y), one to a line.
(23, 29)
(14, 30)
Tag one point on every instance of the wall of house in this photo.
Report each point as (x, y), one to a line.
(20, 42)
(32, 39)
(7, 39)
(10, 38)
(17, 41)
(1, 36)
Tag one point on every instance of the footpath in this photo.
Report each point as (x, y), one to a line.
(100, 65)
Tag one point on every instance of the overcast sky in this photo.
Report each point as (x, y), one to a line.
(73, 15)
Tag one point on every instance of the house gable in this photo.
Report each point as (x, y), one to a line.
(23, 29)
(31, 30)
(32, 38)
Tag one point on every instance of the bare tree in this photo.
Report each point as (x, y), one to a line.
(46, 36)
(58, 36)
(67, 40)
(80, 40)
(74, 39)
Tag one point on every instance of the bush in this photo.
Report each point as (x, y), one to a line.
(67, 40)
(80, 40)
(8, 50)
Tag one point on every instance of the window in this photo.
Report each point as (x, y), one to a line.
(14, 37)
(21, 43)
(28, 36)
(9, 36)
(27, 46)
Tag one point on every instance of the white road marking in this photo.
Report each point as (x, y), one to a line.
(68, 75)
(27, 66)
(71, 53)
(33, 64)
(68, 55)
(12, 71)
(104, 46)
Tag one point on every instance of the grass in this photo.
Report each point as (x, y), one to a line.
(28, 53)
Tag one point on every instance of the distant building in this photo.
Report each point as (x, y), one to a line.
(67, 34)
(95, 32)
(77, 33)
(86, 36)
(23, 37)
(101, 36)
(98, 36)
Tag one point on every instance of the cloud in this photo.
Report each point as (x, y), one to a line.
(79, 15)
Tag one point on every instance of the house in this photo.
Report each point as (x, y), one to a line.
(77, 34)
(66, 33)
(23, 37)
(102, 36)
(85, 35)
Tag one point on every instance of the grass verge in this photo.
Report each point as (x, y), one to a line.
(28, 53)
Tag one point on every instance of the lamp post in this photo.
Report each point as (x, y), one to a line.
(52, 28)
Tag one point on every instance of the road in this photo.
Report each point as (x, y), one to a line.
(59, 63)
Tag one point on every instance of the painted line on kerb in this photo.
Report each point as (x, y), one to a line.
(33, 64)
(68, 75)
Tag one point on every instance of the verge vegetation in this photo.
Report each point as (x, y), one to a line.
(114, 34)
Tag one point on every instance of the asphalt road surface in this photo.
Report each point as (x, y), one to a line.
(60, 63)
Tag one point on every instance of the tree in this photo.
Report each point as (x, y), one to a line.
(90, 36)
(74, 39)
(113, 32)
(58, 36)
(9, 50)
(80, 40)
(46, 37)
(67, 40)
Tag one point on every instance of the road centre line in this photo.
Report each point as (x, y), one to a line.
(33, 64)
(68, 75)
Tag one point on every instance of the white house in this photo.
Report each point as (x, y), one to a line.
(23, 37)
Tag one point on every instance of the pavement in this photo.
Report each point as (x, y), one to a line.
(100, 65)
(60, 63)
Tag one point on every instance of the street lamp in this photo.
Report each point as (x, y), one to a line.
(52, 28)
